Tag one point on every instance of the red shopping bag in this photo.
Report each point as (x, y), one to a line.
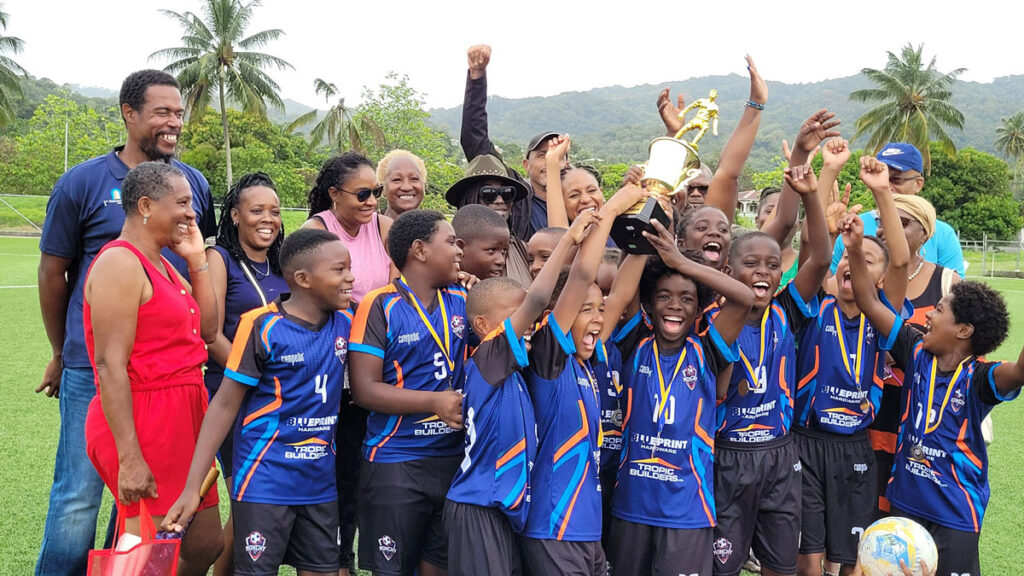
(150, 557)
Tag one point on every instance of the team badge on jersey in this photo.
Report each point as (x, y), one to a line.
(723, 550)
(340, 348)
(690, 376)
(387, 546)
(958, 400)
(458, 326)
(255, 544)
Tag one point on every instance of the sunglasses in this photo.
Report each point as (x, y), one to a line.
(489, 194)
(901, 179)
(701, 189)
(364, 194)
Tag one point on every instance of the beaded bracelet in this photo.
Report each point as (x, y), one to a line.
(755, 105)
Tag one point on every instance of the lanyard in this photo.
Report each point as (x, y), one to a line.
(842, 347)
(931, 396)
(594, 387)
(751, 373)
(446, 345)
(665, 390)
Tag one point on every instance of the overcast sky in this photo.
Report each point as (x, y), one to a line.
(540, 48)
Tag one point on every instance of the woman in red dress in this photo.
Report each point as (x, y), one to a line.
(146, 340)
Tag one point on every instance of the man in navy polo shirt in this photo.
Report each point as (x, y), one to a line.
(906, 176)
(84, 213)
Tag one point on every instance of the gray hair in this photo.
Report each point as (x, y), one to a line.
(150, 179)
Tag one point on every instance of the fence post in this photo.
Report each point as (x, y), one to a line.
(984, 251)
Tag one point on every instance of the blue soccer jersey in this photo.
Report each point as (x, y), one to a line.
(501, 433)
(759, 404)
(941, 467)
(284, 450)
(607, 363)
(422, 349)
(840, 368)
(666, 475)
(566, 494)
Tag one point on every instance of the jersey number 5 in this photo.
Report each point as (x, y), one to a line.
(442, 367)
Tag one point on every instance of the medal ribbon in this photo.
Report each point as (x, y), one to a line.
(931, 396)
(842, 347)
(445, 345)
(666, 390)
(597, 398)
(751, 373)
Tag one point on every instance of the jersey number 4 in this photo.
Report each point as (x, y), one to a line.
(321, 387)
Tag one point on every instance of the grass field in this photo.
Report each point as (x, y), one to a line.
(28, 431)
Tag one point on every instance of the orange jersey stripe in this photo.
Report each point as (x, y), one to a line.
(577, 437)
(244, 332)
(274, 405)
(256, 465)
(358, 329)
(512, 453)
(400, 383)
(962, 445)
(883, 441)
(967, 496)
(814, 371)
(700, 431)
(700, 490)
(572, 503)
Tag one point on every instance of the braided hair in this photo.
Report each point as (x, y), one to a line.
(334, 173)
(227, 232)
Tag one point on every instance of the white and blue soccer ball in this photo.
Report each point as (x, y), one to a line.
(892, 539)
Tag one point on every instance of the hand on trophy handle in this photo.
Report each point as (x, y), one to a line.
(665, 243)
(478, 56)
(758, 87)
(670, 112)
(624, 199)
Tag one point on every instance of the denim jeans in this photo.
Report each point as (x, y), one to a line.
(77, 490)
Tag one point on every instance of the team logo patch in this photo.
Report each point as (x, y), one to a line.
(690, 377)
(387, 546)
(723, 550)
(458, 326)
(255, 544)
(340, 348)
(958, 400)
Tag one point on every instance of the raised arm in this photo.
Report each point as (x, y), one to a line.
(876, 176)
(739, 298)
(724, 188)
(473, 137)
(1009, 376)
(623, 295)
(811, 272)
(193, 251)
(584, 268)
(557, 149)
(864, 291)
(539, 294)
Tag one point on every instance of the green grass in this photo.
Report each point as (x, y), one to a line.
(28, 431)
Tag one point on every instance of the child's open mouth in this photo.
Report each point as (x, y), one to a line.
(712, 251)
(761, 289)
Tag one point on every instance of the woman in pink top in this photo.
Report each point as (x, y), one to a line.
(344, 201)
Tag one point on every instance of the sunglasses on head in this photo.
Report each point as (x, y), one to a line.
(364, 194)
(489, 194)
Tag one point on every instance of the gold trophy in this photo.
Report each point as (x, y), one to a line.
(671, 165)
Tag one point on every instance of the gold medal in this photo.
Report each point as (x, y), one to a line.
(617, 418)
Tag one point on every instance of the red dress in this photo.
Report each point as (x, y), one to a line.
(168, 396)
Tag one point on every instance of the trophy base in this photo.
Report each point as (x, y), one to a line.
(627, 229)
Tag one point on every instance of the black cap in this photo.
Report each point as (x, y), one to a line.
(538, 140)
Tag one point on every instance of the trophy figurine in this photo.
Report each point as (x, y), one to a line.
(671, 165)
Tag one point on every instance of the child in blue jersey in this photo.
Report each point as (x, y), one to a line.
(664, 507)
(285, 374)
(840, 368)
(408, 349)
(563, 525)
(940, 476)
(490, 495)
(757, 468)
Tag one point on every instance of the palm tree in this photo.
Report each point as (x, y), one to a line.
(218, 59)
(10, 84)
(338, 126)
(913, 104)
(1010, 141)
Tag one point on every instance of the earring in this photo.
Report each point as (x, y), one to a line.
(334, 204)
(145, 220)
(235, 224)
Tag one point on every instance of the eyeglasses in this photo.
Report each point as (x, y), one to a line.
(901, 179)
(489, 194)
(363, 194)
(904, 221)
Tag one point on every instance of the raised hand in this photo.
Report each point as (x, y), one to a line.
(852, 229)
(873, 173)
(478, 56)
(835, 211)
(625, 198)
(467, 280)
(193, 247)
(448, 408)
(581, 226)
(787, 153)
(835, 153)
(758, 87)
(670, 112)
(558, 148)
(801, 179)
(816, 129)
(634, 175)
(665, 244)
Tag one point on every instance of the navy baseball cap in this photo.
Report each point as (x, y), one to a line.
(901, 156)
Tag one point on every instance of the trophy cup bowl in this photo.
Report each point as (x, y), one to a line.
(671, 165)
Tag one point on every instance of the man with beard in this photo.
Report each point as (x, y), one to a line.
(84, 213)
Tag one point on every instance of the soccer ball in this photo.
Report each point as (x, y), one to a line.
(892, 539)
